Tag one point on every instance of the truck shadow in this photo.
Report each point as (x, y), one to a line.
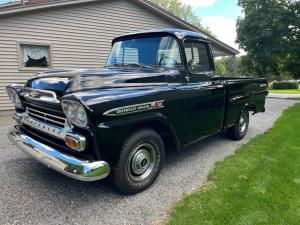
(29, 170)
(35, 184)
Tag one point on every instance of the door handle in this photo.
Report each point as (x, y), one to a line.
(187, 78)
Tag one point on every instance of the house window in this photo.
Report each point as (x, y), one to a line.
(35, 56)
(128, 56)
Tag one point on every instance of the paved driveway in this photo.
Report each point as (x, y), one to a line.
(284, 96)
(32, 194)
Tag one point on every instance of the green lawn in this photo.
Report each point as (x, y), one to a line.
(260, 184)
(286, 91)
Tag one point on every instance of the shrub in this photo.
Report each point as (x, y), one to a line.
(284, 85)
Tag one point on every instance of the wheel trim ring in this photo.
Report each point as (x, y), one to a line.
(141, 173)
(243, 123)
(140, 161)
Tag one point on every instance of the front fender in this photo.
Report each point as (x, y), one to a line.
(110, 135)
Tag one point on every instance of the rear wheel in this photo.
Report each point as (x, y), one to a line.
(239, 130)
(140, 161)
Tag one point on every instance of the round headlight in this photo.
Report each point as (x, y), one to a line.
(71, 111)
(81, 114)
(75, 113)
(14, 97)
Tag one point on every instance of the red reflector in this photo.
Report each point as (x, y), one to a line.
(159, 104)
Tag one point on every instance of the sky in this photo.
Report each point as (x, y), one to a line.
(8, 1)
(220, 16)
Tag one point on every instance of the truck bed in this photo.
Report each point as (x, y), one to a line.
(248, 93)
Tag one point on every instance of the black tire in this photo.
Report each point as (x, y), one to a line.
(140, 161)
(239, 130)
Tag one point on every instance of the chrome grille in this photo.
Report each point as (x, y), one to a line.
(46, 117)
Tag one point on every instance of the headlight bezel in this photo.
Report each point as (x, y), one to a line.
(73, 116)
(14, 97)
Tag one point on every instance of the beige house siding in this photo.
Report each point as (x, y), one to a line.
(80, 36)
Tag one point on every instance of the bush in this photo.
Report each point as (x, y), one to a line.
(284, 85)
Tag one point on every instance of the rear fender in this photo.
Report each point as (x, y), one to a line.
(253, 102)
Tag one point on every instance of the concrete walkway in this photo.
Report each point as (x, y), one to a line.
(283, 96)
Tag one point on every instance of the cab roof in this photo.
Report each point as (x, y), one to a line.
(180, 34)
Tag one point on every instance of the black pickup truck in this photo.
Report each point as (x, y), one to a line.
(157, 90)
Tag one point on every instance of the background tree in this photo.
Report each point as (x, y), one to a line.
(183, 11)
(269, 33)
(228, 66)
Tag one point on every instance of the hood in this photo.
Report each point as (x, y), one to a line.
(67, 81)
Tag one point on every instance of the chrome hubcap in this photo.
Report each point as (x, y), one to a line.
(243, 123)
(141, 162)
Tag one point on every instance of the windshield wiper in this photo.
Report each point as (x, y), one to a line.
(131, 65)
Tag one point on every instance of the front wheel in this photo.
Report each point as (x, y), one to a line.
(140, 161)
(239, 130)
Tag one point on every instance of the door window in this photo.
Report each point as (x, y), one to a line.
(197, 57)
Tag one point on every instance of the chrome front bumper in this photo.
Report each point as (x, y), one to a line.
(65, 164)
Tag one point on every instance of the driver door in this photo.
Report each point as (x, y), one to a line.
(206, 104)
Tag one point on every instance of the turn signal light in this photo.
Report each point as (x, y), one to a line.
(76, 143)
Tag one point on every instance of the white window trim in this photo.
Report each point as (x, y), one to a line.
(34, 69)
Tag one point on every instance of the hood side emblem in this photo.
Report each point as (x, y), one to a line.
(130, 109)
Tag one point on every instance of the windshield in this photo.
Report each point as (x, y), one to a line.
(146, 52)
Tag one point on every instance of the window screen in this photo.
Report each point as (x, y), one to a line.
(197, 57)
(35, 56)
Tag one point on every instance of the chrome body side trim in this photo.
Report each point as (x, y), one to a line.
(263, 85)
(236, 98)
(65, 164)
